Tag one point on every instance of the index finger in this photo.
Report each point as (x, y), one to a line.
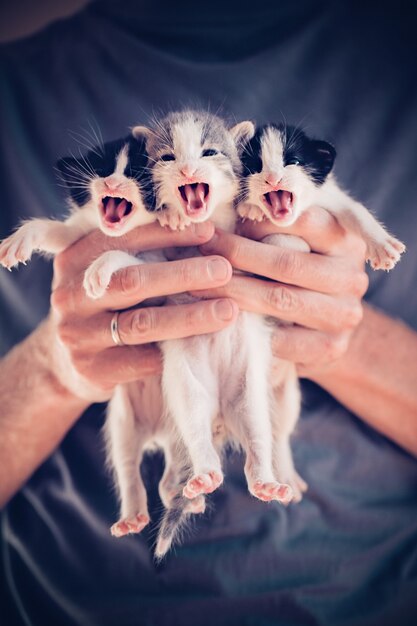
(326, 274)
(149, 237)
(316, 226)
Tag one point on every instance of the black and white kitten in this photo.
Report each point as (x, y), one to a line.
(284, 173)
(108, 189)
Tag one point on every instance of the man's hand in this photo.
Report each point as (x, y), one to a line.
(83, 324)
(320, 293)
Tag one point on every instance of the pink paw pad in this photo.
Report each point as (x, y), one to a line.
(272, 491)
(129, 525)
(202, 483)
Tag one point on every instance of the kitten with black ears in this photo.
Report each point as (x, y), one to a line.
(108, 189)
(284, 173)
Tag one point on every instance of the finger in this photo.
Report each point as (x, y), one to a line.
(134, 284)
(293, 304)
(312, 271)
(176, 321)
(148, 324)
(316, 226)
(308, 347)
(149, 237)
(127, 364)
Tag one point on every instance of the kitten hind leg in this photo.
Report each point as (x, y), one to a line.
(251, 408)
(285, 416)
(125, 441)
(191, 397)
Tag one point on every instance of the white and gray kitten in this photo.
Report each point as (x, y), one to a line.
(217, 383)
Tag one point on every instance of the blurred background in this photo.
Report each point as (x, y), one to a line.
(19, 18)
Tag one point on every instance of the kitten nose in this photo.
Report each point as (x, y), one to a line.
(112, 183)
(273, 179)
(188, 170)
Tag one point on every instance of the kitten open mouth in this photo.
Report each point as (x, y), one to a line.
(279, 203)
(194, 197)
(115, 210)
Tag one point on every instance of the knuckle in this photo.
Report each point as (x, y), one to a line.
(282, 299)
(353, 315)
(130, 280)
(336, 346)
(59, 299)
(61, 263)
(187, 273)
(142, 322)
(360, 284)
(237, 250)
(287, 262)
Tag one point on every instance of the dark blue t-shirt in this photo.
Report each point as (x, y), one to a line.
(347, 555)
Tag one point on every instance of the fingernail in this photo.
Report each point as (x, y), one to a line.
(224, 310)
(218, 269)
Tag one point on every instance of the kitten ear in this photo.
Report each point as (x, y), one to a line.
(142, 133)
(324, 155)
(242, 132)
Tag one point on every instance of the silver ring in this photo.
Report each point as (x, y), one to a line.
(114, 330)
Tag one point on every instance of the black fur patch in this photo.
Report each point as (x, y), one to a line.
(77, 172)
(314, 156)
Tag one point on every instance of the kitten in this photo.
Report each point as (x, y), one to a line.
(214, 383)
(108, 189)
(284, 173)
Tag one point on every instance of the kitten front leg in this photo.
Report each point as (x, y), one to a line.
(125, 440)
(250, 212)
(383, 250)
(41, 235)
(173, 218)
(98, 275)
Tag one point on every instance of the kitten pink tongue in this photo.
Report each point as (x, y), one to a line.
(114, 211)
(280, 202)
(195, 197)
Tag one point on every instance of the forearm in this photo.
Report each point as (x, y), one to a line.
(36, 410)
(377, 377)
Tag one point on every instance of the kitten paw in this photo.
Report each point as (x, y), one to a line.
(250, 212)
(202, 483)
(384, 255)
(17, 248)
(297, 484)
(196, 505)
(174, 219)
(129, 525)
(97, 278)
(272, 491)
